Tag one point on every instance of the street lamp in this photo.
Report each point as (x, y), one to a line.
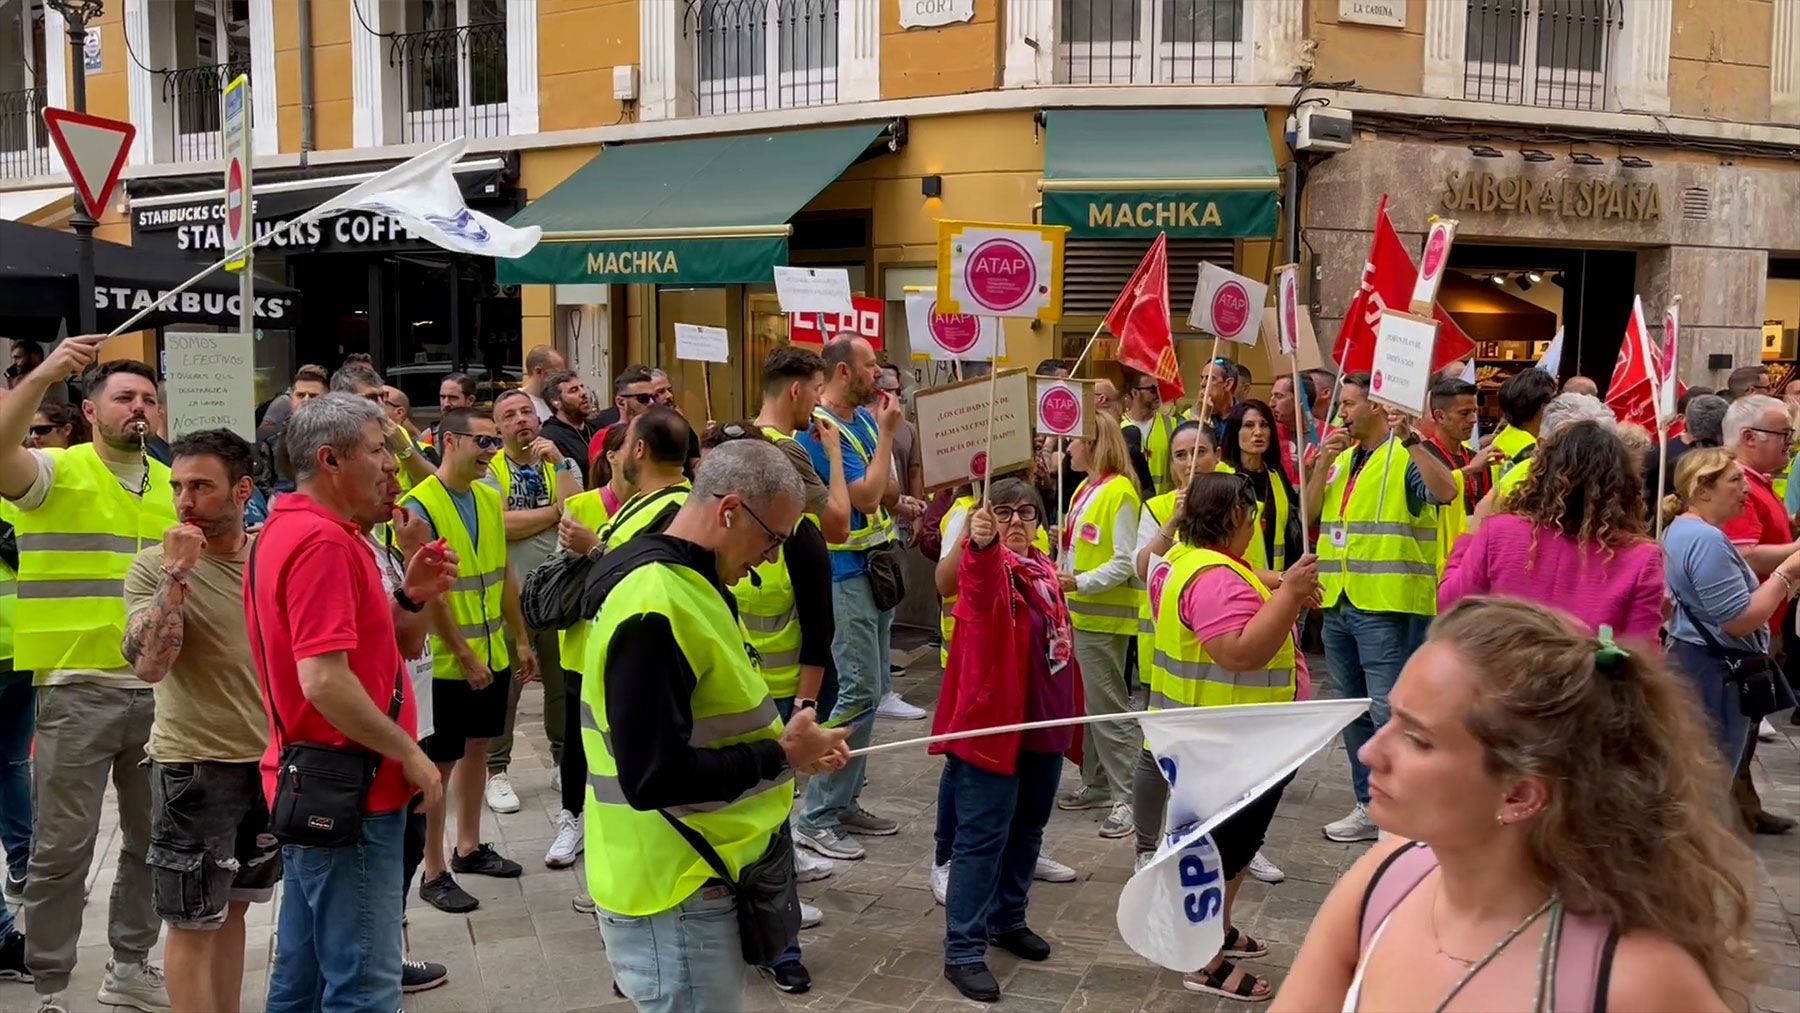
(78, 13)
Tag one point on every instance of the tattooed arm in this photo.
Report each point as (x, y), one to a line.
(155, 587)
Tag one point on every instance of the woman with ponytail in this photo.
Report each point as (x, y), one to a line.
(1560, 839)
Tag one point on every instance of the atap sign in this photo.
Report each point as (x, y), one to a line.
(949, 337)
(1000, 270)
(236, 145)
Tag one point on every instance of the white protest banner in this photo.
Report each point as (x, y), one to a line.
(948, 336)
(211, 383)
(1064, 407)
(1000, 270)
(1287, 307)
(1227, 304)
(1432, 263)
(953, 428)
(702, 344)
(813, 290)
(1401, 373)
(1217, 760)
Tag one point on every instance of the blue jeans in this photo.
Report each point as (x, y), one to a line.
(338, 945)
(1724, 714)
(18, 713)
(859, 652)
(999, 830)
(686, 958)
(1365, 652)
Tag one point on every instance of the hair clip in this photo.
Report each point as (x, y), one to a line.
(1608, 653)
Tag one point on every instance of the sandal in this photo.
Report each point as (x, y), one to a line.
(1213, 983)
(1240, 945)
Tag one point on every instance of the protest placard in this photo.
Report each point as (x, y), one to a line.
(953, 428)
(702, 344)
(1065, 407)
(1000, 270)
(813, 290)
(211, 383)
(1401, 374)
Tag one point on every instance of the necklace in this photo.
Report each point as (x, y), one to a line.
(1551, 903)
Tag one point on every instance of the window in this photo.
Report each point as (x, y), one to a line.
(450, 56)
(737, 41)
(23, 142)
(1151, 41)
(1541, 52)
(210, 46)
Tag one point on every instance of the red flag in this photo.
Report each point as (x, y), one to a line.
(1631, 393)
(1387, 283)
(1139, 318)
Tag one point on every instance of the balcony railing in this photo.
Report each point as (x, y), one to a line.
(452, 81)
(1541, 52)
(24, 144)
(194, 97)
(1150, 41)
(736, 42)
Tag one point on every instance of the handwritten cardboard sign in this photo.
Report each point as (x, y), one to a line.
(696, 343)
(211, 383)
(953, 428)
(1401, 373)
(813, 290)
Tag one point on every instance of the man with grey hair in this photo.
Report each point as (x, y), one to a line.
(360, 379)
(676, 718)
(327, 641)
(1703, 425)
(1563, 410)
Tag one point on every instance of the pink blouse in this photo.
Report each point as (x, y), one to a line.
(1624, 592)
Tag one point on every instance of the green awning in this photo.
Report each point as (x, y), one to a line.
(1193, 173)
(704, 211)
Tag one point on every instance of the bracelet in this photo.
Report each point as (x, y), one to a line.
(1786, 582)
(179, 577)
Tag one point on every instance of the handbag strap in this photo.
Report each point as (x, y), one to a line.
(1712, 642)
(700, 844)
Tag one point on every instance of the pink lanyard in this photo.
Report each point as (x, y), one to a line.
(1075, 509)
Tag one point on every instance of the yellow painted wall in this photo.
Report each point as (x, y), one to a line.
(107, 91)
(1378, 59)
(334, 99)
(948, 60)
(579, 44)
(1719, 54)
(539, 170)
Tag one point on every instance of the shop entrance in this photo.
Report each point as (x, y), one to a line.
(1511, 300)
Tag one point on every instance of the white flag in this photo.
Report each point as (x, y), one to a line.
(1468, 377)
(1551, 361)
(947, 337)
(1227, 304)
(422, 194)
(1217, 760)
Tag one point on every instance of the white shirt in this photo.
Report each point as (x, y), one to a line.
(1121, 567)
(418, 668)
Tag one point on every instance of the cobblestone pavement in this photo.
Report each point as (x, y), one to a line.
(880, 947)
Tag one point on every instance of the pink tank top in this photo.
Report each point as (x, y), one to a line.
(1583, 958)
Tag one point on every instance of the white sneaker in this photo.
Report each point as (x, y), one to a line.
(1119, 822)
(894, 706)
(1352, 828)
(1142, 860)
(569, 841)
(1766, 732)
(810, 916)
(810, 867)
(940, 882)
(1052, 871)
(139, 986)
(556, 781)
(501, 797)
(584, 903)
(1265, 870)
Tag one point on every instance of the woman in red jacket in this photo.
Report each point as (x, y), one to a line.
(1012, 660)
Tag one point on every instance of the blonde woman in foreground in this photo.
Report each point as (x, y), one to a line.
(1561, 842)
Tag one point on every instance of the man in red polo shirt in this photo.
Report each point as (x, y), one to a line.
(323, 633)
(1758, 429)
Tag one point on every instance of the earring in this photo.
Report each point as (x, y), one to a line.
(1501, 819)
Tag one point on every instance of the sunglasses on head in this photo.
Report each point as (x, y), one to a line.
(483, 442)
(733, 431)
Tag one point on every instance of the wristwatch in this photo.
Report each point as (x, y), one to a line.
(401, 599)
(805, 705)
(1411, 441)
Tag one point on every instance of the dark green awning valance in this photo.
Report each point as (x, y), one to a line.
(701, 211)
(1193, 173)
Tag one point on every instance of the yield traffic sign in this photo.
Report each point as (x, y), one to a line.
(93, 149)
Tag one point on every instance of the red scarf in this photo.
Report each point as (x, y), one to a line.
(1036, 577)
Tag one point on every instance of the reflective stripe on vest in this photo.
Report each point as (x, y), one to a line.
(876, 528)
(476, 595)
(1156, 450)
(1377, 538)
(1182, 674)
(1161, 508)
(770, 622)
(590, 509)
(640, 511)
(1113, 610)
(638, 865)
(74, 551)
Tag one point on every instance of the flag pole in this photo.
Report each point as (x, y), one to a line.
(208, 271)
(706, 388)
(987, 455)
(1206, 387)
(1085, 349)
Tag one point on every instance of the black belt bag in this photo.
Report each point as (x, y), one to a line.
(768, 906)
(887, 584)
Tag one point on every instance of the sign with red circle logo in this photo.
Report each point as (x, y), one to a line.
(1001, 275)
(956, 332)
(1437, 249)
(1375, 382)
(1059, 410)
(1230, 310)
(1290, 312)
(978, 465)
(234, 200)
(1159, 577)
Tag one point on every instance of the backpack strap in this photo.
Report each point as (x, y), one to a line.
(1393, 880)
(1583, 963)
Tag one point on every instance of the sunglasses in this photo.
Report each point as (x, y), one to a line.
(483, 442)
(44, 430)
(641, 398)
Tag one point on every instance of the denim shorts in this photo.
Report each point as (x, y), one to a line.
(209, 841)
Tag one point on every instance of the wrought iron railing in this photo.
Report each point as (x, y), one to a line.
(452, 81)
(24, 144)
(193, 95)
(737, 42)
(1150, 41)
(1541, 52)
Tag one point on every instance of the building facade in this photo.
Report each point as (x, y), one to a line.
(673, 150)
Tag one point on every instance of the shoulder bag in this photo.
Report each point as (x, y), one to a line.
(1753, 671)
(768, 906)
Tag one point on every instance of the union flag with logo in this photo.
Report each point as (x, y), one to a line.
(1139, 318)
(1632, 393)
(1387, 284)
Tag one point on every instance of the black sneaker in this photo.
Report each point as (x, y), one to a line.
(421, 976)
(1022, 943)
(12, 958)
(485, 861)
(974, 981)
(791, 977)
(443, 893)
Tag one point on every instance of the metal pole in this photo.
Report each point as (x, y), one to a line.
(77, 15)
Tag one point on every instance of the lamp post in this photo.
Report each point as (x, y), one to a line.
(78, 13)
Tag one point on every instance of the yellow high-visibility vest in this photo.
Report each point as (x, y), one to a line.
(640, 511)
(1161, 508)
(590, 509)
(476, 595)
(1156, 448)
(876, 528)
(1182, 674)
(1376, 538)
(1510, 442)
(1256, 555)
(1113, 610)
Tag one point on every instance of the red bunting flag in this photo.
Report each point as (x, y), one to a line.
(1139, 318)
(1631, 393)
(1387, 283)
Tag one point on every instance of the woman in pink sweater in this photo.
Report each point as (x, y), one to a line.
(1573, 536)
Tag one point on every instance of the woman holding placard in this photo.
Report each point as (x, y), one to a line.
(1099, 540)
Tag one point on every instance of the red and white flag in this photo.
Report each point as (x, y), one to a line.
(1632, 391)
(1139, 318)
(1668, 388)
(1389, 276)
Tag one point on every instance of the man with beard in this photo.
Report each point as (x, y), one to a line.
(568, 426)
(185, 636)
(534, 479)
(634, 393)
(82, 514)
(654, 462)
(472, 656)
